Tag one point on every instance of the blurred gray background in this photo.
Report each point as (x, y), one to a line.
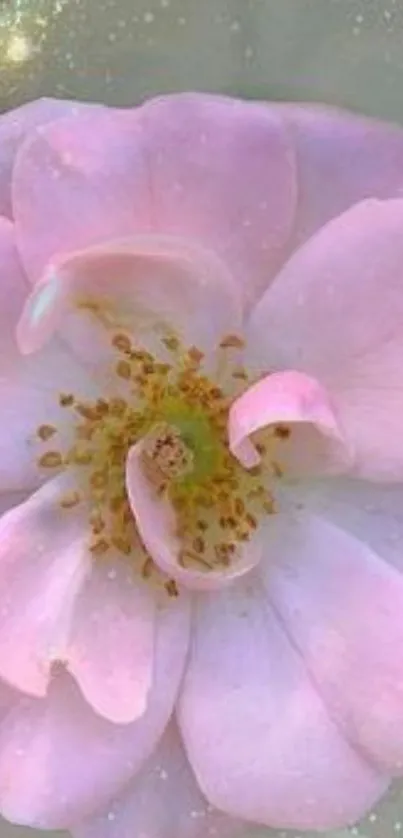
(349, 52)
(346, 52)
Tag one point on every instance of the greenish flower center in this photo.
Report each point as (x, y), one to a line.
(181, 416)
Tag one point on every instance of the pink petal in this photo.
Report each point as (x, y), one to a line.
(145, 282)
(59, 761)
(257, 733)
(29, 388)
(342, 158)
(58, 604)
(43, 560)
(316, 442)
(12, 295)
(223, 174)
(156, 524)
(372, 512)
(15, 126)
(10, 499)
(111, 645)
(336, 313)
(215, 171)
(8, 699)
(13, 287)
(163, 801)
(88, 167)
(343, 608)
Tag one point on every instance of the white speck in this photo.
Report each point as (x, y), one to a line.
(111, 816)
(373, 817)
(111, 574)
(112, 37)
(359, 19)
(398, 826)
(165, 3)
(148, 17)
(163, 774)
(387, 15)
(235, 26)
(20, 752)
(182, 21)
(249, 53)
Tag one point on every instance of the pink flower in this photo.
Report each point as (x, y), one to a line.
(201, 449)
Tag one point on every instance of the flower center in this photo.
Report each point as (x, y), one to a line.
(180, 416)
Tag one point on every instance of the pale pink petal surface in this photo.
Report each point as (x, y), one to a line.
(29, 388)
(257, 732)
(43, 560)
(59, 761)
(10, 499)
(18, 124)
(342, 158)
(164, 801)
(342, 607)
(297, 401)
(371, 512)
(197, 146)
(88, 167)
(57, 603)
(110, 650)
(328, 314)
(174, 166)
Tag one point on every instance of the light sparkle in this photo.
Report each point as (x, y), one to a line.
(24, 29)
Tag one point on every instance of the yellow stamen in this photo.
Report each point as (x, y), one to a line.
(52, 459)
(46, 432)
(180, 415)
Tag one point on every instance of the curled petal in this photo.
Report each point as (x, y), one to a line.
(156, 522)
(149, 287)
(335, 312)
(312, 439)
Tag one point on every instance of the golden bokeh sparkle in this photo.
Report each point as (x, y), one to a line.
(24, 28)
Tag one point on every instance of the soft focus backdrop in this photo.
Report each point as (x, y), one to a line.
(346, 52)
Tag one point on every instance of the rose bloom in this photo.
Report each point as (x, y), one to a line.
(201, 449)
